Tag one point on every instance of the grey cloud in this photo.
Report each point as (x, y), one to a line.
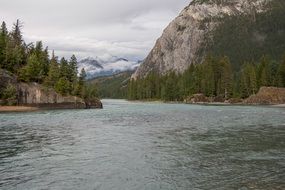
(93, 27)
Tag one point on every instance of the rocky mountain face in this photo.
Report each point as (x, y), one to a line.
(233, 28)
(96, 67)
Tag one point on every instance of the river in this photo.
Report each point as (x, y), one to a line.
(133, 145)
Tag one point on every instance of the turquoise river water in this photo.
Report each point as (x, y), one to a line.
(132, 145)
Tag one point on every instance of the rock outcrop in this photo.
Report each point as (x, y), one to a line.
(36, 95)
(267, 96)
(33, 94)
(6, 78)
(181, 43)
(197, 98)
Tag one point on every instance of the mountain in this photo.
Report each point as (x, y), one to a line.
(114, 86)
(96, 67)
(242, 30)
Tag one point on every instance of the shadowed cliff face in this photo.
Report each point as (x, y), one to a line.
(182, 42)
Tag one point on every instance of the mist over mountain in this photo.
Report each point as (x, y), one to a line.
(106, 66)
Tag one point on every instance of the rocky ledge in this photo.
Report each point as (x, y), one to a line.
(36, 95)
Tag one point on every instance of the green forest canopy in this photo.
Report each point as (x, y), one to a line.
(214, 77)
(31, 63)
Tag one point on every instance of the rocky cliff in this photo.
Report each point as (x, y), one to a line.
(235, 28)
(36, 95)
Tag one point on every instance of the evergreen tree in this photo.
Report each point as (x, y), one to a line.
(73, 72)
(32, 71)
(263, 72)
(63, 86)
(15, 50)
(226, 78)
(3, 43)
(53, 73)
(64, 68)
(81, 86)
(281, 73)
(248, 81)
(16, 33)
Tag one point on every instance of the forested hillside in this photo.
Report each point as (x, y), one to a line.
(247, 37)
(113, 86)
(31, 63)
(214, 77)
(218, 48)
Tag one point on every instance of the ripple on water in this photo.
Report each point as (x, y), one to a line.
(144, 146)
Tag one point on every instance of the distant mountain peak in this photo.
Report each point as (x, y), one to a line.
(106, 66)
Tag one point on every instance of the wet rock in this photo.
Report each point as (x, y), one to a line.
(197, 98)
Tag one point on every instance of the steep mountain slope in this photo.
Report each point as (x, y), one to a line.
(114, 86)
(243, 30)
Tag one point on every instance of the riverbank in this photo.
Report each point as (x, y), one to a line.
(5, 109)
(208, 103)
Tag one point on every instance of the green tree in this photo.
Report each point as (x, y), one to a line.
(9, 95)
(226, 78)
(15, 56)
(81, 86)
(263, 72)
(53, 73)
(281, 73)
(73, 72)
(63, 86)
(3, 43)
(248, 80)
(32, 72)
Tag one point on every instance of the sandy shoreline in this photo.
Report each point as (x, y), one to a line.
(17, 109)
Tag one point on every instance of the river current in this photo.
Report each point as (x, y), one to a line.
(133, 145)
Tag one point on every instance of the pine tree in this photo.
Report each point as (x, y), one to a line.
(73, 72)
(15, 56)
(32, 71)
(263, 72)
(248, 81)
(63, 86)
(81, 86)
(3, 43)
(226, 77)
(281, 73)
(17, 33)
(53, 73)
(64, 68)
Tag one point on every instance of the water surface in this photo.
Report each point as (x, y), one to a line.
(144, 146)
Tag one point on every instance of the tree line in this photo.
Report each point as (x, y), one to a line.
(215, 77)
(31, 63)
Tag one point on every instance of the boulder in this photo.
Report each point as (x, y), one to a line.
(197, 98)
(234, 101)
(267, 96)
(93, 103)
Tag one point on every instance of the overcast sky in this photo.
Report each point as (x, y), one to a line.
(124, 28)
